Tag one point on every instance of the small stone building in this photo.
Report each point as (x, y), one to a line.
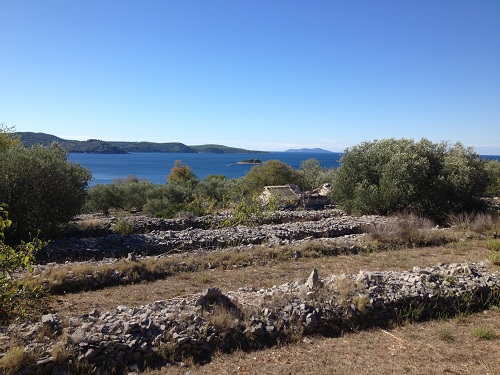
(318, 198)
(285, 196)
(290, 197)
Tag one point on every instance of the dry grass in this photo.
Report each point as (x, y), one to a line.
(263, 276)
(478, 223)
(437, 347)
(80, 277)
(410, 349)
(14, 360)
(86, 224)
(407, 230)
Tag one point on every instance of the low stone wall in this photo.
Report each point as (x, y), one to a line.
(297, 226)
(249, 318)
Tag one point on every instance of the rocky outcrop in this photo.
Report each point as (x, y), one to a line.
(198, 325)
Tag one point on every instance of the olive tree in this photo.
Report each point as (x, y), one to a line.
(270, 173)
(392, 175)
(7, 139)
(41, 188)
(314, 175)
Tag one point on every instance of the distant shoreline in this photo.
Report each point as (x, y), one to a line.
(96, 146)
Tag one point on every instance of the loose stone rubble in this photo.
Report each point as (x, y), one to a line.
(159, 236)
(249, 318)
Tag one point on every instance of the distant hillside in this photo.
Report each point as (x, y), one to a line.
(95, 146)
(91, 146)
(154, 147)
(219, 149)
(310, 150)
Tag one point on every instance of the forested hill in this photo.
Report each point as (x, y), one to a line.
(95, 146)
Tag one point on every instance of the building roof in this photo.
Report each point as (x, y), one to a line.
(285, 193)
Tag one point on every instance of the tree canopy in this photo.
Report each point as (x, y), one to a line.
(269, 173)
(392, 175)
(41, 189)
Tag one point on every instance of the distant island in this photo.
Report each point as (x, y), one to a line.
(311, 150)
(250, 161)
(96, 146)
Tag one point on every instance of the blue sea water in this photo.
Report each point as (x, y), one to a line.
(156, 166)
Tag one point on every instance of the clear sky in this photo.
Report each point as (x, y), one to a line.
(259, 74)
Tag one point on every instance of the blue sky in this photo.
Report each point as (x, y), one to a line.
(259, 74)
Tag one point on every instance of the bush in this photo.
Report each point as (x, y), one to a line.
(483, 333)
(41, 188)
(123, 227)
(313, 175)
(7, 139)
(394, 175)
(493, 169)
(181, 172)
(169, 199)
(482, 223)
(215, 187)
(103, 198)
(12, 260)
(270, 173)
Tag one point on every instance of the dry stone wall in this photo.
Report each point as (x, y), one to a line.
(249, 318)
(162, 236)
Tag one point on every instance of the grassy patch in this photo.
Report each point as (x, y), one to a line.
(483, 333)
(80, 277)
(445, 334)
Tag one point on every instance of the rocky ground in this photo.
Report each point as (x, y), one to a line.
(159, 236)
(198, 325)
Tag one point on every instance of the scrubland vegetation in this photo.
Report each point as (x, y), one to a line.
(423, 183)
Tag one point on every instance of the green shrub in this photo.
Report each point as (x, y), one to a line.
(133, 192)
(216, 188)
(269, 173)
(395, 175)
(123, 227)
(7, 139)
(313, 175)
(247, 212)
(41, 188)
(103, 198)
(446, 335)
(493, 245)
(122, 194)
(493, 169)
(12, 260)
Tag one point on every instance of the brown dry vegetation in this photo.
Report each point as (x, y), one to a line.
(410, 349)
(263, 276)
(439, 347)
(461, 345)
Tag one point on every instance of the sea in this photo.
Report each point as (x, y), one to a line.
(155, 167)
